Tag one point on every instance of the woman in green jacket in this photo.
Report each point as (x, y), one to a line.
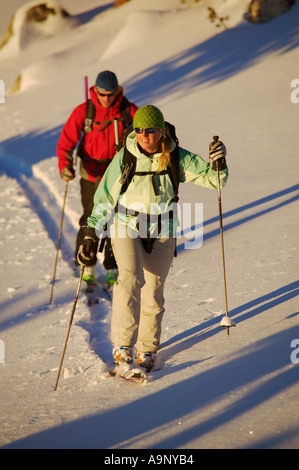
(141, 222)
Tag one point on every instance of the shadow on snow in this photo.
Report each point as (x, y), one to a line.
(178, 401)
(216, 59)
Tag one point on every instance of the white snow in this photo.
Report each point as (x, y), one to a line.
(24, 31)
(215, 391)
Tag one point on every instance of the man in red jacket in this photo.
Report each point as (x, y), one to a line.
(96, 150)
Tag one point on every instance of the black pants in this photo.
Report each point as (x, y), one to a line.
(88, 189)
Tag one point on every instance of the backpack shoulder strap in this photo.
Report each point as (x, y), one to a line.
(174, 172)
(87, 126)
(89, 116)
(129, 167)
(174, 165)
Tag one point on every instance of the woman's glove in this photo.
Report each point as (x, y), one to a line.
(217, 154)
(88, 250)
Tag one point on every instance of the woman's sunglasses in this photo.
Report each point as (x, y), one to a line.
(148, 130)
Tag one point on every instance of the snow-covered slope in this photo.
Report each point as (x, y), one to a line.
(215, 391)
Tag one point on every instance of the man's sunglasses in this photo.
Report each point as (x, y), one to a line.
(108, 95)
(148, 130)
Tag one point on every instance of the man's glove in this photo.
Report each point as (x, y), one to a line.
(68, 173)
(88, 250)
(217, 154)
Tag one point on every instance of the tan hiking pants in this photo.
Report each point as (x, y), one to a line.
(138, 300)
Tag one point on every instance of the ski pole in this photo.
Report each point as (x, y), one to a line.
(70, 324)
(226, 321)
(59, 238)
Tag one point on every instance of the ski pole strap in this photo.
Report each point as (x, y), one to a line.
(101, 246)
(103, 239)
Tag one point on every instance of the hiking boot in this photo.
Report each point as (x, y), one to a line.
(146, 360)
(111, 276)
(89, 274)
(122, 354)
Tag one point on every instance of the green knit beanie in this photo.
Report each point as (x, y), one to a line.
(148, 116)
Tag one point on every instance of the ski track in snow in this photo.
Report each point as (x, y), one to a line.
(43, 195)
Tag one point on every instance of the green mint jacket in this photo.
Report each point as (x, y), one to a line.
(140, 195)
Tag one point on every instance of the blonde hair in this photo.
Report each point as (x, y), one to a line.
(166, 145)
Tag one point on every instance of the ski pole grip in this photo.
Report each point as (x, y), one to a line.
(116, 133)
(86, 87)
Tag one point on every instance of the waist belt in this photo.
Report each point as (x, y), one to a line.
(143, 219)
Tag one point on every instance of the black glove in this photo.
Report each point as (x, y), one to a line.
(68, 173)
(88, 250)
(217, 154)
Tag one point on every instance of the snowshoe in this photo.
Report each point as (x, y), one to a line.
(129, 372)
(122, 354)
(146, 360)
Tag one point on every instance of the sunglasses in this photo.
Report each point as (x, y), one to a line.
(108, 95)
(147, 130)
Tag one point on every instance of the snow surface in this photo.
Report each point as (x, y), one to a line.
(215, 391)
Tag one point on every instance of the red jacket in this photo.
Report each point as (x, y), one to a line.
(98, 145)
